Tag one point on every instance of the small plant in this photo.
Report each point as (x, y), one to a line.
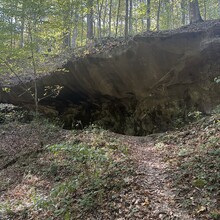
(160, 145)
(215, 215)
(199, 182)
(53, 170)
(6, 208)
(92, 171)
(195, 115)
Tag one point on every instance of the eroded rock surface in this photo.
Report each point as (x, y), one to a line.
(141, 88)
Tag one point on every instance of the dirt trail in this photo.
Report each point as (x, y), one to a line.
(152, 176)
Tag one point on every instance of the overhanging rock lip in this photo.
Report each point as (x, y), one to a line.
(161, 80)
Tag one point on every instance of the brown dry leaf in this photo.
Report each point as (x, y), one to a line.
(201, 209)
(146, 202)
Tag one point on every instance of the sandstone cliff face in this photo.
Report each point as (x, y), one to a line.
(140, 88)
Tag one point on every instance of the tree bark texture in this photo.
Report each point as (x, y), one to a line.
(90, 19)
(148, 15)
(194, 12)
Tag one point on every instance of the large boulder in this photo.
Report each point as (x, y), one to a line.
(148, 85)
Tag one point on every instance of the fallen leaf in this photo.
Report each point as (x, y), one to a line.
(146, 202)
(201, 209)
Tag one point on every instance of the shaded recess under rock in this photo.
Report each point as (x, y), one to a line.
(148, 85)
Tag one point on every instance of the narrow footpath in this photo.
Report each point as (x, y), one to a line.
(152, 176)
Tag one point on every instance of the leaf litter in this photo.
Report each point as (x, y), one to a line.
(173, 175)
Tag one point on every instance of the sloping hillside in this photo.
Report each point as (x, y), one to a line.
(50, 173)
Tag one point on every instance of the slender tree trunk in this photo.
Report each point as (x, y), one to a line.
(21, 42)
(169, 14)
(219, 8)
(11, 32)
(136, 26)
(100, 7)
(110, 19)
(66, 32)
(74, 37)
(171, 25)
(194, 13)
(158, 15)
(75, 31)
(126, 19)
(94, 29)
(90, 33)
(117, 19)
(148, 15)
(66, 38)
(104, 19)
(142, 25)
(35, 95)
(131, 18)
(98, 20)
(121, 28)
(82, 31)
(22, 34)
(69, 38)
(183, 12)
(205, 9)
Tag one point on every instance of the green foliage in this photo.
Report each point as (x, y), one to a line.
(194, 157)
(92, 172)
(204, 168)
(59, 24)
(10, 113)
(199, 182)
(6, 89)
(215, 215)
(195, 115)
(7, 207)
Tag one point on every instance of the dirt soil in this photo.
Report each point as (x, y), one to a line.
(176, 174)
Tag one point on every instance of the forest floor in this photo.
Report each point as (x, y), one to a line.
(50, 173)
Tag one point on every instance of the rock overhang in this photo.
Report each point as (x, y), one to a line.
(139, 88)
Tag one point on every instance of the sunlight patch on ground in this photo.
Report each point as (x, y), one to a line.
(24, 195)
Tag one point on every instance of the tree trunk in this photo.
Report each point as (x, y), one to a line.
(126, 20)
(99, 18)
(183, 11)
(148, 15)
(66, 39)
(171, 24)
(110, 19)
(194, 12)
(94, 29)
(131, 17)
(82, 32)
(121, 29)
(22, 26)
(75, 31)
(90, 33)
(117, 19)
(219, 8)
(158, 15)
(34, 65)
(205, 9)
(22, 34)
(104, 19)
(11, 32)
